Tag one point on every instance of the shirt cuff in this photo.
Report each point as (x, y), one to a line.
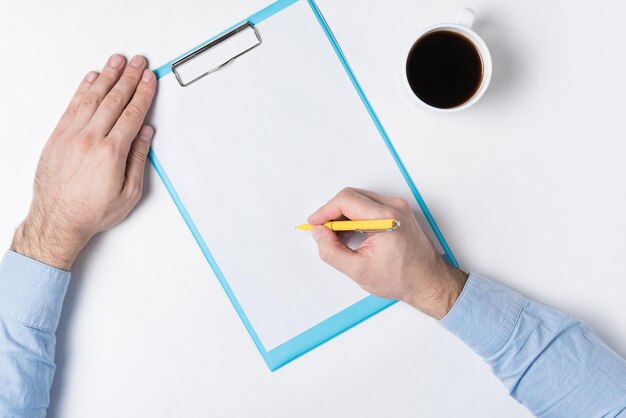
(32, 292)
(484, 315)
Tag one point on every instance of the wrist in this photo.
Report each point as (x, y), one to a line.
(40, 239)
(441, 294)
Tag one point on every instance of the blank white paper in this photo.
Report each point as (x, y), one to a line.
(255, 147)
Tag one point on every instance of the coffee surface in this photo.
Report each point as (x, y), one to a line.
(444, 69)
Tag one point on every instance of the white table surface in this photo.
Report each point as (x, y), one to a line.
(527, 187)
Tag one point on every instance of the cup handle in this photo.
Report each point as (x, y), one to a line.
(466, 17)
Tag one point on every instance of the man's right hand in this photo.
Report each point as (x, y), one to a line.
(402, 264)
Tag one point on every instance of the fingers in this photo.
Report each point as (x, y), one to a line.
(334, 252)
(133, 115)
(95, 94)
(136, 162)
(72, 108)
(352, 205)
(396, 203)
(116, 100)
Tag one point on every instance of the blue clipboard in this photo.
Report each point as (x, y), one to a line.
(350, 316)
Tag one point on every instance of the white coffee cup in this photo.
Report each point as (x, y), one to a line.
(463, 26)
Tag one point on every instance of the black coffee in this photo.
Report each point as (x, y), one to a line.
(444, 69)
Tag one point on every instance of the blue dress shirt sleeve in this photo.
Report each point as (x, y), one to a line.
(31, 297)
(553, 364)
(550, 362)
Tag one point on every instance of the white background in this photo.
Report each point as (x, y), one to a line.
(527, 187)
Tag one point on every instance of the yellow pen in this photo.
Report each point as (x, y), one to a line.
(371, 225)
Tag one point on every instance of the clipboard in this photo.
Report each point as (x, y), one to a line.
(256, 127)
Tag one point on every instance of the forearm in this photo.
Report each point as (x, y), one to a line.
(89, 177)
(32, 295)
(40, 237)
(550, 362)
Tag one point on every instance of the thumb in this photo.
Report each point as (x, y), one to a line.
(334, 252)
(137, 157)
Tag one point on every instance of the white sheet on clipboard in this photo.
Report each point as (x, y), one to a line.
(253, 149)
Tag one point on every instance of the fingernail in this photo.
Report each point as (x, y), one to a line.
(137, 61)
(115, 61)
(91, 76)
(146, 133)
(148, 75)
(316, 233)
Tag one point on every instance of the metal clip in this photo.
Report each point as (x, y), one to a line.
(216, 54)
(371, 231)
